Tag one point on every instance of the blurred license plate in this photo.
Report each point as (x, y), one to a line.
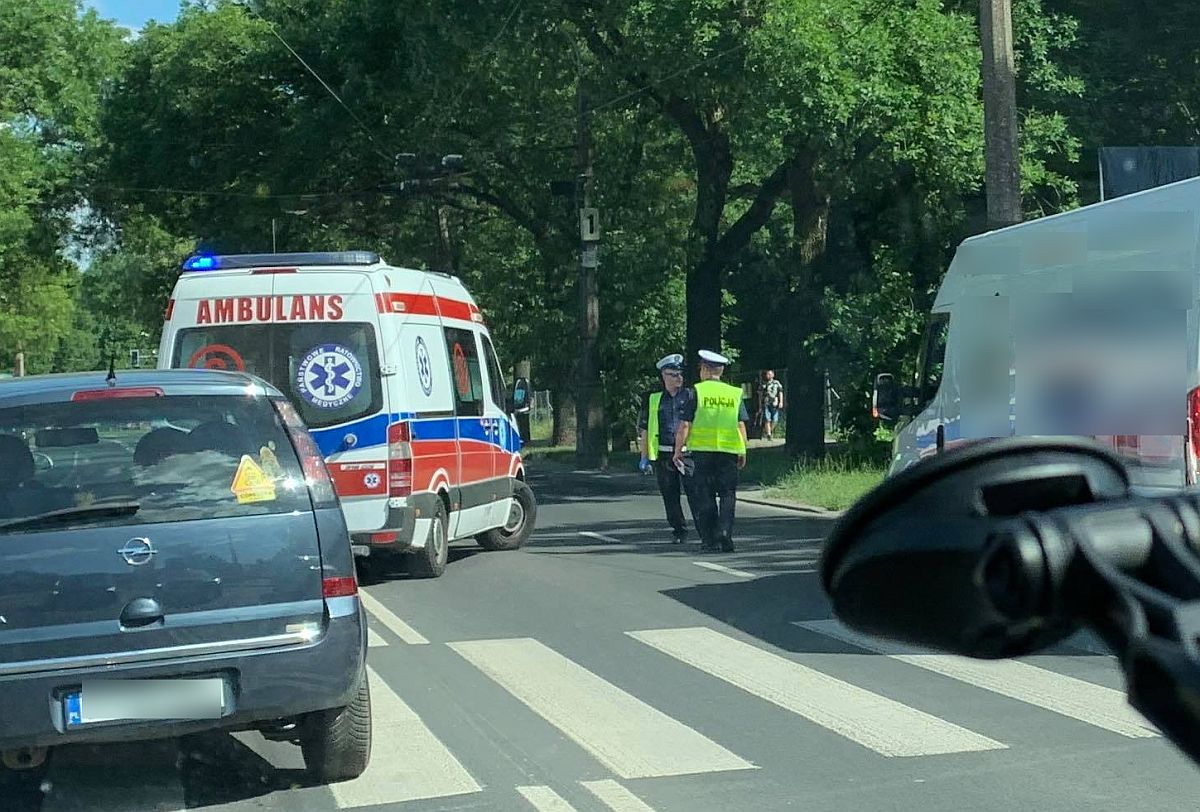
(140, 700)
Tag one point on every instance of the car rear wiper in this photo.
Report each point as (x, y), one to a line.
(53, 517)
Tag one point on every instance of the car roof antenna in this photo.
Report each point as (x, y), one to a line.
(111, 380)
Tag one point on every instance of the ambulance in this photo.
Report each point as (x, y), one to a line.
(394, 372)
(1082, 323)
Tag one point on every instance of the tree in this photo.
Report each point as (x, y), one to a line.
(55, 59)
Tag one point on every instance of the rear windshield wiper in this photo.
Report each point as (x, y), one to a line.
(53, 517)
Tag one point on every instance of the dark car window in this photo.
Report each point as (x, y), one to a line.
(468, 378)
(160, 459)
(330, 372)
(495, 376)
(932, 358)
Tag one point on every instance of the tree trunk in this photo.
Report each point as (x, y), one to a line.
(806, 374)
(703, 309)
(562, 410)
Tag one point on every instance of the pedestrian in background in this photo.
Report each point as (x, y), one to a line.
(772, 404)
(658, 422)
(713, 427)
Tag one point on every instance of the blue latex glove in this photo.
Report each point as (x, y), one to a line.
(644, 465)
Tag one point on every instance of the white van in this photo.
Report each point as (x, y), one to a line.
(395, 374)
(1083, 323)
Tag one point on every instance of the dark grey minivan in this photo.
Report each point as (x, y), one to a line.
(173, 559)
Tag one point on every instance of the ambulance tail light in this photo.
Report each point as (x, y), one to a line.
(399, 460)
(1191, 454)
(170, 310)
(312, 461)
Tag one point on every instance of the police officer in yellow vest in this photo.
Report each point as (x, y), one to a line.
(713, 428)
(658, 421)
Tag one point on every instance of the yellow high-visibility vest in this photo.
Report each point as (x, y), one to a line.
(652, 427)
(718, 406)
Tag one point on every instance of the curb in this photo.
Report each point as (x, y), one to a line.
(756, 498)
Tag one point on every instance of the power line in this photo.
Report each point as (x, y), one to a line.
(512, 12)
(362, 125)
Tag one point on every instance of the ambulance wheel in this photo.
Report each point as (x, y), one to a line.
(430, 560)
(522, 515)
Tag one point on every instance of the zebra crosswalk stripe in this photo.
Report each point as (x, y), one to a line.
(628, 736)
(881, 724)
(408, 762)
(1068, 696)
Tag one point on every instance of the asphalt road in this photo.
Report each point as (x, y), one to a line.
(603, 668)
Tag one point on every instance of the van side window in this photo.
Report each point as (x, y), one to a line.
(495, 376)
(932, 358)
(464, 368)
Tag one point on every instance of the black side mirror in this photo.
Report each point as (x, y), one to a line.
(924, 559)
(885, 399)
(520, 401)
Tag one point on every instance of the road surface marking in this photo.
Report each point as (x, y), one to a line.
(631, 738)
(374, 640)
(600, 537)
(544, 799)
(616, 797)
(881, 724)
(1078, 699)
(407, 761)
(708, 565)
(389, 619)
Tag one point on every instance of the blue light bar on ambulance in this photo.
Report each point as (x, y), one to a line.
(207, 262)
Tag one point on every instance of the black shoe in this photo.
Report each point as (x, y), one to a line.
(679, 536)
(709, 548)
(727, 545)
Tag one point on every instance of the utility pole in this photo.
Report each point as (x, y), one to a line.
(1002, 160)
(591, 432)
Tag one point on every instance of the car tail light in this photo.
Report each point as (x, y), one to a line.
(339, 587)
(312, 461)
(1192, 446)
(399, 460)
(170, 310)
(388, 537)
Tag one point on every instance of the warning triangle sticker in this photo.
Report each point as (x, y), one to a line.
(251, 483)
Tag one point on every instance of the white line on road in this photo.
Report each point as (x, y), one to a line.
(599, 537)
(374, 640)
(544, 799)
(708, 565)
(885, 726)
(1078, 699)
(616, 797)
(389, 619)
(631, 738)
(407, 760)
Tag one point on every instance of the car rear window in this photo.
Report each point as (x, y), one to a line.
(145, 460)
(330, 372)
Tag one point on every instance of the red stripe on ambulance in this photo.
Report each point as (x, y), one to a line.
(422, 304)
(359, 478)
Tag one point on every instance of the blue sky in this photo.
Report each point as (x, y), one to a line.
(135, 13)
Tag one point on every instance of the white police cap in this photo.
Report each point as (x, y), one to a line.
(673, 361)
(714, 358)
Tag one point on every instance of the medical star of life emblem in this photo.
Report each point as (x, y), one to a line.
(424, 367)
(329, 376)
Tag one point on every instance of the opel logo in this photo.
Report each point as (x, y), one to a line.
(137, 551)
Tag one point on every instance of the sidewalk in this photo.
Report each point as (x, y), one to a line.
(753, 495)
(758, 496)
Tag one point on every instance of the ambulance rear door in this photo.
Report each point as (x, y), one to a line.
(334, 370)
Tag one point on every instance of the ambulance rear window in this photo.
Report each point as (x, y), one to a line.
(330, 372)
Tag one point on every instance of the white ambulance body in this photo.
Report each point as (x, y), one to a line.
(395, 374)
(1143, 246)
